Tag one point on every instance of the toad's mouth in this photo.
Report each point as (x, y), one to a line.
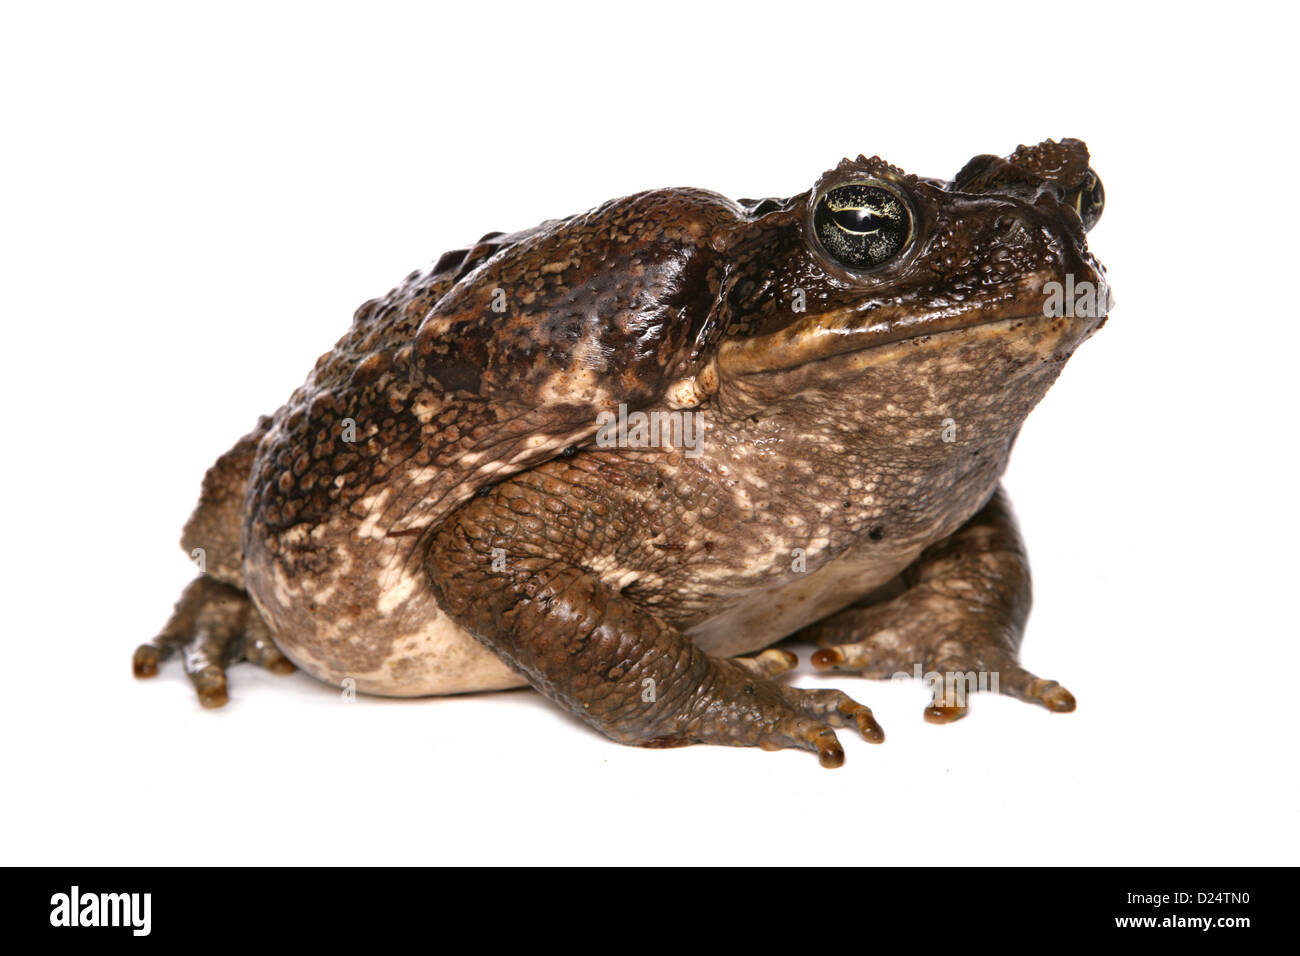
(828, 335)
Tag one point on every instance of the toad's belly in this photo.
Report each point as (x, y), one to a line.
(383, 633)
(366, 618)
(409, 660)
(765, 618)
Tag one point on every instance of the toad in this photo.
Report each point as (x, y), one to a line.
(622, 455)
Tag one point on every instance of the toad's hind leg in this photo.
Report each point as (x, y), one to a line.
(215, 623)
(959, 622)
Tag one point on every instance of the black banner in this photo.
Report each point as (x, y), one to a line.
(358, 905)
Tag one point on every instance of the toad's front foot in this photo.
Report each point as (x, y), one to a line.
(958, 624)
(737, 706)
(214, 625)
(616, 665)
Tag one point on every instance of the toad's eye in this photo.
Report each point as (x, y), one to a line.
(1090, 200)
(862, 225)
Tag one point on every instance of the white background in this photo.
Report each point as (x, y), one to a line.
(194, 203)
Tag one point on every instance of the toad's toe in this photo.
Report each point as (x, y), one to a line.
(213, 626)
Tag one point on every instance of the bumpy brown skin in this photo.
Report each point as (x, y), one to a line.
(448, 393)
(440, 462)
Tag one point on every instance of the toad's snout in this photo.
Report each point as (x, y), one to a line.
(1060, 171)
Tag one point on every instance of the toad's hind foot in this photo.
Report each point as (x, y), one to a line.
(891, 640)
(214, 625)
(957, 624)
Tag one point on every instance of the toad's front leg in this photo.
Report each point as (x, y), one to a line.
(959, 621)
(499, 570)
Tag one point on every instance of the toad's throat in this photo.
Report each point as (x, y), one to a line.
(830, 334)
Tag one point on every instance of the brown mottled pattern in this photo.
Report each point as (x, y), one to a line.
(454, 422)
(446, 393)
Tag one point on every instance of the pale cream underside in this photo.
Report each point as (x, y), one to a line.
(450, 661)
(438, 658)
(768, 616)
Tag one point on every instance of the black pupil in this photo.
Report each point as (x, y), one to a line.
(858, 220)
(862, 225)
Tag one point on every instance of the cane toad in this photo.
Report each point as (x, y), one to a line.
(619, 456)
